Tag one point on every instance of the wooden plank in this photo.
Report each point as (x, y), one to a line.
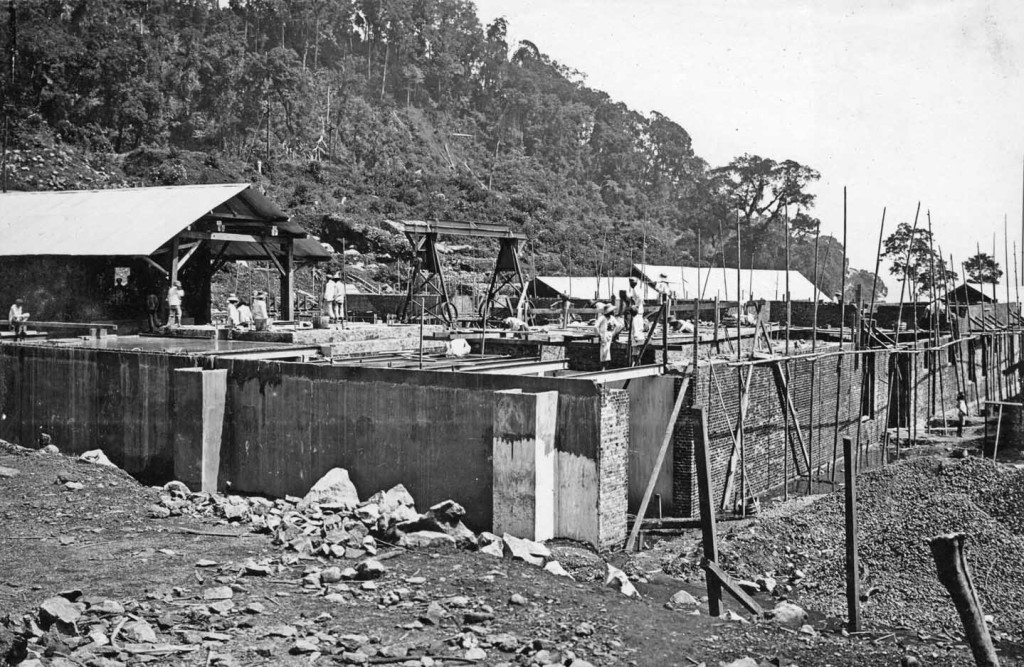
(709, 531)
(653, 480)
(999, 424)
(852, 539)
(731, 587)
(730, 471)
(787, 400)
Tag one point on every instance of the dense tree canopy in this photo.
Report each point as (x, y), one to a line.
(983, 269)
(361, 110)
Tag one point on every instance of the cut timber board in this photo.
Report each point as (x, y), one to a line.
(730, 471)
(652, 481)
(732, 587)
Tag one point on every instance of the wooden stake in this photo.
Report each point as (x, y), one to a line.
(951, 563)
(852, 540)
(707, 508)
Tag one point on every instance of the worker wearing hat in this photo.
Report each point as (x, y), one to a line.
(260, 317)
(331, 288)
(662, 285)
(233, 318)
(606, 330)
(174, 296)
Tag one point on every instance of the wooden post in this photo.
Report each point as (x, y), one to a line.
(717, 348)
(288, 282)
(835, 433)
(744, 398)
(999, 424)
(948, 552)
(664, 335)
(707, 508)
(814, 318)
(852, 557)
(174, 261)
(785, 444)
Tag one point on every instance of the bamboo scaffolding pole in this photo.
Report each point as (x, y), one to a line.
(739, 286)
(874, 281)
(785, 443)
(906, 270)
(814, 320)
(933, 322)
(789, 308)
(997, 338)
(810, 425)
(986, 354)
(839, 391)
(842, 278)
(970, 328)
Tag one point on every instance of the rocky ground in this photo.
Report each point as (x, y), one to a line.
(100, 571)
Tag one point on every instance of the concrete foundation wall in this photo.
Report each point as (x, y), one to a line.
(85, 399)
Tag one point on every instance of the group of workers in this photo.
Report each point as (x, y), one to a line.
(242, 316)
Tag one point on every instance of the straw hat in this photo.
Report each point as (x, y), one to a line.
(663, 276)
(232, 297)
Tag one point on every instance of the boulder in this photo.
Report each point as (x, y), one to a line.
(525, 550)
(426, 539)
(789, 615)
(555, 568)
(58, 610)
(139, 632)
(97, 457)
(370, 568)
(683, 599)
(335, 488)
(618, 580)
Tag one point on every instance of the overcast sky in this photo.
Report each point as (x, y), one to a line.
(899, 101)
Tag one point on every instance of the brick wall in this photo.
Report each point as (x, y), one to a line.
(827, 397)
(613, 467)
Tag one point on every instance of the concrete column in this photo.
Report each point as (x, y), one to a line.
(199, 398)
(524, 463)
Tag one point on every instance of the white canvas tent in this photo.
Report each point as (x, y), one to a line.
(755, 284)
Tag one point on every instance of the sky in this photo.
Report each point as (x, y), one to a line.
(898, 101)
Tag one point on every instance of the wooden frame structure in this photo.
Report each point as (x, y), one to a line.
(426, 277)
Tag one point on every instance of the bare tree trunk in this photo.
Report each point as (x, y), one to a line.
(948, 551)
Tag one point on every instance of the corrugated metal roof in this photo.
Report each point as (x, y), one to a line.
(585, 287)
(131, 221)
(754, 283)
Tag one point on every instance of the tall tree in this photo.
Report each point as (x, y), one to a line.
(983, 269)
(761, 189)
(910, 252)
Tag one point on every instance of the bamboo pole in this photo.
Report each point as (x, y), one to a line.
(814, 320)
(739, 285)
(878, 261)
(839, 391)
(785, 443)
(932, 320)
(977, 389)
(842, 283)
(789, 308)
(810, 427)
(906, 270)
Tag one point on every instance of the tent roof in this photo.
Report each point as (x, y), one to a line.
(137, 221)
(585, 287)
(766, 284)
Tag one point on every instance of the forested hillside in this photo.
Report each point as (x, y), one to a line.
(349, 112)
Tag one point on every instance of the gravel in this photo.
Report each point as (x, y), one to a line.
(900, 507)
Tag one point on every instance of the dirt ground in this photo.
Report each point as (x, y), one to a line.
(432, 606)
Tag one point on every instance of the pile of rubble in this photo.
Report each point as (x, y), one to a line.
(331, 522)
(901, 506)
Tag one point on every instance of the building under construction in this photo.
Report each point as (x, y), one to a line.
(525, 431)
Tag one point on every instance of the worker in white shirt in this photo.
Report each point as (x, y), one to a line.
(17, 318)
(330, 290)
(233, 318)
(174, 296)
(260, 317)
(662, 285)
(606, 330)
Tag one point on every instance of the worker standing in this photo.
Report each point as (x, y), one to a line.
(635, 297)
(339, 300)
(174, 295)
(233, 318)
(662, 285)
(606, 330)
(260, 317)
(152, 307)
(330, 287)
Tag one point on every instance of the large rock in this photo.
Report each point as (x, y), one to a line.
(684, 599)
(58, 610)
(618, 580)
(336, 488)
(426, 539)
(789, 615)
(525, 550)
(97, 457)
